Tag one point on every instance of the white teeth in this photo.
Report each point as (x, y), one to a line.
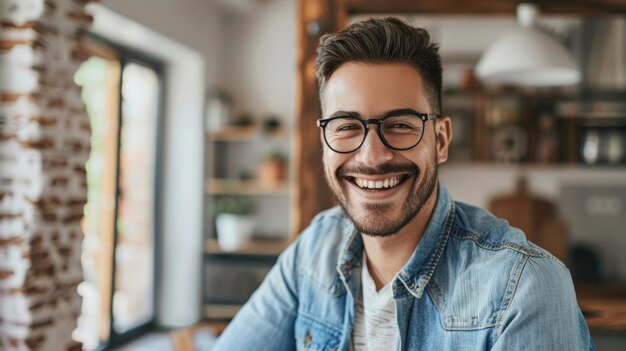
(377, 184)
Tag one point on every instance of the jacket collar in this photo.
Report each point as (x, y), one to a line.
(416, 273)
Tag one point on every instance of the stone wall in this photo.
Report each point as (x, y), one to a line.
(44, 144)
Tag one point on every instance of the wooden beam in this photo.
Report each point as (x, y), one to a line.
(315, 17)
(483, 7)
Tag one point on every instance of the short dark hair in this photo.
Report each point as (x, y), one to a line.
(382, 40)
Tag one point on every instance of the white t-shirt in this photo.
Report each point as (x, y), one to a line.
(375, 325)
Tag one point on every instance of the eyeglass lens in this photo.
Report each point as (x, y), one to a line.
(346, 134)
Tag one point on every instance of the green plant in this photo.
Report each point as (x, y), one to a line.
(277, 156)
(237, 205)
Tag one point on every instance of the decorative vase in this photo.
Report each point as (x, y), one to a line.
(233, 231)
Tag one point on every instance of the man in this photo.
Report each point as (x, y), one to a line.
(400, 265)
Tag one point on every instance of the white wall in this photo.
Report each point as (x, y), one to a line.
(477, 184)
(259, 59)
(193, 23)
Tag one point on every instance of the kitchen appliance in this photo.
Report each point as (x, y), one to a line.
(603, 145)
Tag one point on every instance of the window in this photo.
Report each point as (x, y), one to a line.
(122, 93)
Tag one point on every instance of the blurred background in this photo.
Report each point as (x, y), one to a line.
(205, 162)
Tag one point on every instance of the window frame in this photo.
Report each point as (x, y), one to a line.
(126, 55)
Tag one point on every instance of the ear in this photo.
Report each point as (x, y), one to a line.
(443, 130)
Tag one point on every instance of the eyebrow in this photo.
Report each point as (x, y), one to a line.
(394, 112)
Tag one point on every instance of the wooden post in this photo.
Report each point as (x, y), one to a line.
(315, 17)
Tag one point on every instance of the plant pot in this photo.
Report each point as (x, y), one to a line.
(272, 173)
(233, 231)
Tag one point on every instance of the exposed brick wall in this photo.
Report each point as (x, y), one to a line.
(44, 144)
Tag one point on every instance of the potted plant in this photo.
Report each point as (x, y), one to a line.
(273, 169)
(234, 221)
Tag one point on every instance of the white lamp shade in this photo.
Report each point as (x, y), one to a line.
(528, 57)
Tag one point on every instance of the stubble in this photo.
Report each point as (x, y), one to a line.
(376, 222)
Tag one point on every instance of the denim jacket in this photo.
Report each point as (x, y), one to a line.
(472, 283)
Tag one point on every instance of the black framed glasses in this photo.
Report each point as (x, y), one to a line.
(399, 130)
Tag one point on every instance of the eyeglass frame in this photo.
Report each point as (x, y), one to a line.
(425, 117)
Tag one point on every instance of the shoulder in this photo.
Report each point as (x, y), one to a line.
(327, 227)
(477, 226)
(546, 278)
(483, 264)
(318, 246)
(325, 232)
(482, 239)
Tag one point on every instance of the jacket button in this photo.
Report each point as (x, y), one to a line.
(308, 338)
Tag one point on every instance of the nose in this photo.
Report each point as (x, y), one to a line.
(373, 152)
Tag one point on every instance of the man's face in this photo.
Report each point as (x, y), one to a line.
(371, 91)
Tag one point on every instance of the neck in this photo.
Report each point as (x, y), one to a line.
(387, 255)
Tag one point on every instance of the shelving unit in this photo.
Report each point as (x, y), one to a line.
(234, 154)
(534, 126)
(216, 186)
(259, 247)
(243, 133)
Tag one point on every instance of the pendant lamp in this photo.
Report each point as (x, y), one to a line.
(528, 57)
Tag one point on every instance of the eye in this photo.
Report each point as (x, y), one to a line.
(400, 125)
(347, 127)
(344, 125)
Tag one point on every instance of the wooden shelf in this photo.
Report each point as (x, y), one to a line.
(214, 311)
(217, 186)
(233, 134)
(246, 133)
(276, 133)
(267, 247)
(464, 165)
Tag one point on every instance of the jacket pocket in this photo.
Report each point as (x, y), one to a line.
(465, 309)
(315, 335)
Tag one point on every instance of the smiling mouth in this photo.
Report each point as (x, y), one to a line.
(379, 184)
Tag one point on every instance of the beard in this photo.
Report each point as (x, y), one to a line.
(376, 220)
